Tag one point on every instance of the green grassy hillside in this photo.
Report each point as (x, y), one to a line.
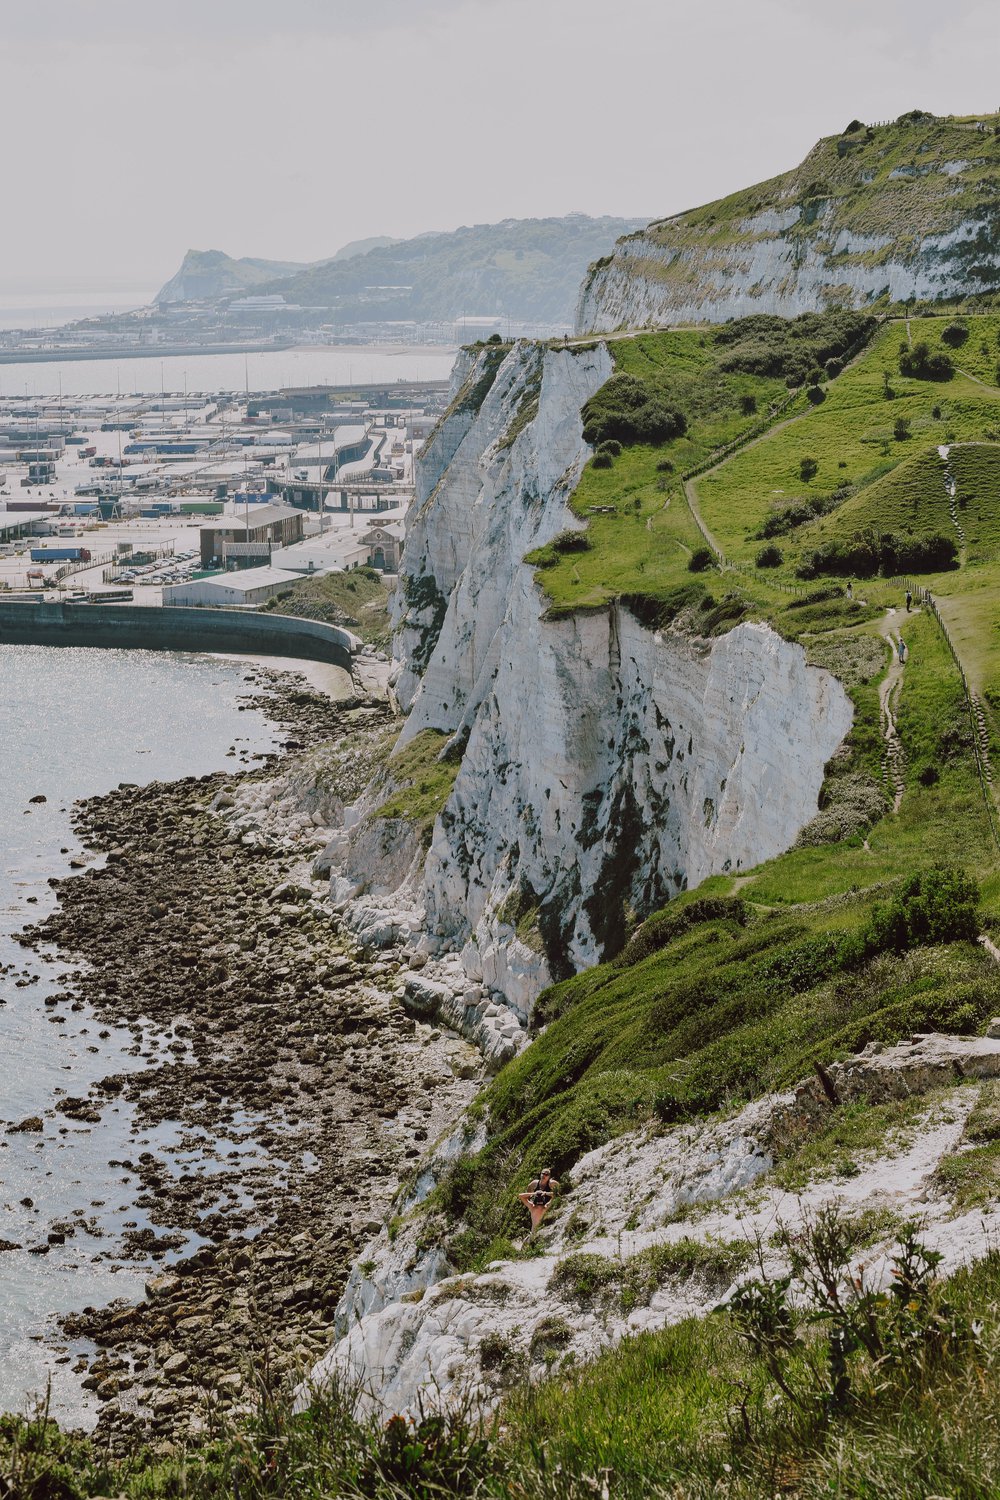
(905, 208)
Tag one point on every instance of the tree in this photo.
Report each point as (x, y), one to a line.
(901, 429)
(808, 469)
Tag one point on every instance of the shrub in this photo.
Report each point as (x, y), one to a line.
(955, 334)
(808, 469)
(748, 405)
(769, 556)
(700, 559)
(628, 410)
(921, 364)
(833, 368)
(601, 460)
(571, 541)
(869, 552)
(611, 446)
(901, 429)
(816, 395)
(664, 466)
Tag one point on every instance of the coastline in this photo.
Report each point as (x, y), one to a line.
(302, 1083)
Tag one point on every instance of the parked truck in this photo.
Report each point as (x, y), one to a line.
(60, 554)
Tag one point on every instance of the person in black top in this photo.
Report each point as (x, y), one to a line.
(541, 1191)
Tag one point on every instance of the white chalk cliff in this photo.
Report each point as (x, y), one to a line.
(604, 766)
(890, 212)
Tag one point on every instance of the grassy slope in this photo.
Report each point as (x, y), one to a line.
(887, 188)
(359, 601)
(682, 1414)
(693, 1018)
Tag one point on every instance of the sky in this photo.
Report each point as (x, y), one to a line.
(133, 129)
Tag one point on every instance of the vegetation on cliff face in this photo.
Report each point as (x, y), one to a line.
(357, 600)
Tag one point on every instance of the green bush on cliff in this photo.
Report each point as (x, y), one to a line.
(628, 411)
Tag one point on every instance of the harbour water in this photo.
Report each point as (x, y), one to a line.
(354, 364)
(74, 723)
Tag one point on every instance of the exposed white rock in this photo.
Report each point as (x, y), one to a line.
(651, 280)
(604, 764)
(630, 1195)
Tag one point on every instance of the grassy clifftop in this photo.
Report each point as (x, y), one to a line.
(873, 215)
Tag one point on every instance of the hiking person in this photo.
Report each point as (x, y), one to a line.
(850, 590)
(909, 600)
(902, 651)
(541, 1191)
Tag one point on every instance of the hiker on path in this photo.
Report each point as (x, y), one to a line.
(902, 651)
(909, 600)
(540, 1194)
(850, 590)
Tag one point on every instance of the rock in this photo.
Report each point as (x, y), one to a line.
(993, 1029)
(175, 1365)
(32, 1123)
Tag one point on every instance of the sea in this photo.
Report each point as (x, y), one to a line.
(73, 723)
(349, 364)
(270, 370)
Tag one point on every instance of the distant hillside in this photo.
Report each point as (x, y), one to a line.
(525, 269)
(213, 273)
(884, 213)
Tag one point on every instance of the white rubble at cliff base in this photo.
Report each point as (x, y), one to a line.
(408, 1337)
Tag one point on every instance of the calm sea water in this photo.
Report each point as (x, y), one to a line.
(362, 364)
(74, 723)
(51, 306)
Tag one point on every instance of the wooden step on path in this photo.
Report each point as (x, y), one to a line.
(982, 734)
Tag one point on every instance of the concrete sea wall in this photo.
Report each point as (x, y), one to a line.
(175, 629)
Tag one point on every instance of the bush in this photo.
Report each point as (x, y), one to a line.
(808, 469)
(571, 541)
(611, 446)
(769, 556)
(664, 466)
(833, 368)
(869, 552)
(748, 405)
(955, 334)
(816, 395)
(700, 559)
(921, 364)
(938, 906)
(627, 410)
(901, 429)
(602, 460)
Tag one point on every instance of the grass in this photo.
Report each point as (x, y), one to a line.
(590, 1279)
(837, 1147)
(422, 781)
(357, 600)
(971, 1177)
(686, 1413)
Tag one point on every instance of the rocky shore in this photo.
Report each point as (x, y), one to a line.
(303, 1083)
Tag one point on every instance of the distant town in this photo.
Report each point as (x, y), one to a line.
(185, 499)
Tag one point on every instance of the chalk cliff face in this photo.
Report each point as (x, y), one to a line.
(898, 211)
(605, 766)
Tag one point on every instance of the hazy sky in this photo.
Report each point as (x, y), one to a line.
(132, 129)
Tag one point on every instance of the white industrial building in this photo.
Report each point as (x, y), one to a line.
(247, 588)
